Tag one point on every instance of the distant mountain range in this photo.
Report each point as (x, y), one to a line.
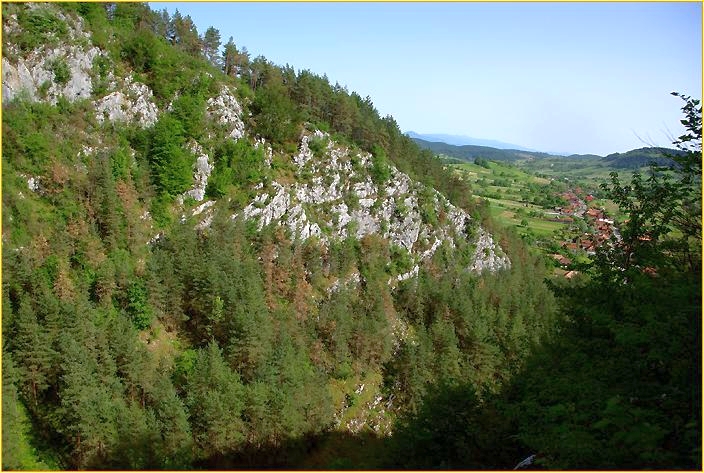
(470, 152)
(461, 140)
(629, 160)
(641, 157)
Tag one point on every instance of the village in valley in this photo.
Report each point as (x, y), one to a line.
(597, 228)
(562, 216)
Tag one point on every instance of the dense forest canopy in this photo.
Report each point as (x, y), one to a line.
(228, 345)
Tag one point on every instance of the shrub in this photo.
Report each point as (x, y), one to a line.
(401, 260)
(317, 145)
(380, 171)
(171, 164)
(61, 71)
(39, 26)
(239, 163)
(190, 111)
(101, 67)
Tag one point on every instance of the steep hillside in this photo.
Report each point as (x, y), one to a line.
(213, 261)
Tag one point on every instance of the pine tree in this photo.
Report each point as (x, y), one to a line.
(215, 401)
(229, 58)
(211, 45)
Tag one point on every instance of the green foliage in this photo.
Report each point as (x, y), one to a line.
(482, 162)
(631, 351)
(171, 163)
(426, 206)
(249, 337)
(664, 209)
(101, 67)
(351, 200)
(630, 341)
(137, 305)
(238, 164)
(19, 451)
(141, 49)
(190, 111)
(453, 430)
(318, 145)
(95, 15)
(161, 210)
(121, 163)
(215, 402)
(62, 73)
(275, 116)
(28, 134)
(379, 171)
(401, 260)
(39, 27)
(220, 180)
(211, 45)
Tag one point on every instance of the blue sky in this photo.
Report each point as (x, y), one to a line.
(571, 77)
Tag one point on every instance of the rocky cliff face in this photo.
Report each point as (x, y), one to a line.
(35, 72)
(71, 70)
(332, 194)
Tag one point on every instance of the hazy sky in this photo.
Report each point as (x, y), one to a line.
(575, 77)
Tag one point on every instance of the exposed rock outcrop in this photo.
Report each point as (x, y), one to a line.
(226, 110)
(202, 170)
(134, 102)
(35, 74)
(67, 71)
(334, 196)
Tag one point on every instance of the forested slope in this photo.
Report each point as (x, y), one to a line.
(213, 261)
(187, 280)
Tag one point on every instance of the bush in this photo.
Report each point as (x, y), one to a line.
(317, 145)
(62, 74)
(171, 164)
(380, 171)
(401, 260)
(101, 67)
(190, 111)
(161, 211)
(238, 163)
(275, 115)
(219, 181)
(39, 27)
(120, 164)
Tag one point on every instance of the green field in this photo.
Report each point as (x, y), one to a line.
(516, 198)
(587, 171)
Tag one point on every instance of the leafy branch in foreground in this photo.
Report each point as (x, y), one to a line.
(664, 207)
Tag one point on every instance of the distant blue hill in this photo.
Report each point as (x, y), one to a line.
(460, 140)
(471, 152)
(629, 160)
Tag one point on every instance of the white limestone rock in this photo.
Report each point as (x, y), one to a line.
(393, 212)
(226, 110)
(134, 103)
(202, 171)
(204, 206)
(33, 72)
(33, 184)
(304, 155)
(488, 257)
